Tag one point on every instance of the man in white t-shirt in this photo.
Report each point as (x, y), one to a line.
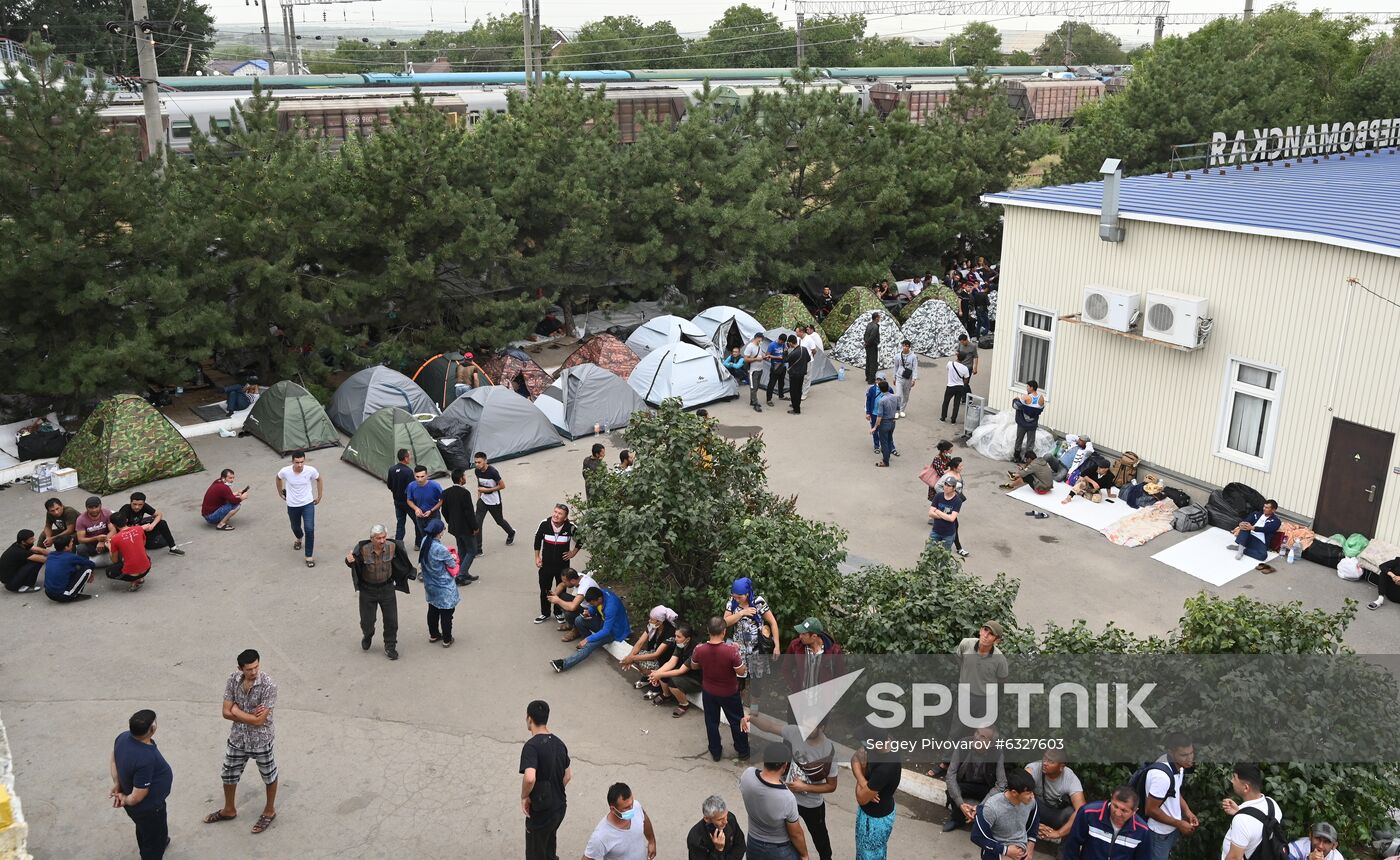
(1247, 825)
(755, 362)
(300, 485)
(625, 832)
(957, 389)
(567, 596)
(812, 340)
(1319, 844)
(1168, 815)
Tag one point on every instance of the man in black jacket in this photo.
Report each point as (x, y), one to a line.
(797, 359)
(378, 568)
(400, 476)
(457, 512)
(717, 835)
(872, 348)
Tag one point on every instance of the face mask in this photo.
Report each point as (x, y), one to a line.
(626, 816)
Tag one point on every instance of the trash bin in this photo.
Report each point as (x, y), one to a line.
(972, 416)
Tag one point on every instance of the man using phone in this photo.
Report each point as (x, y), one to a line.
(221, 503)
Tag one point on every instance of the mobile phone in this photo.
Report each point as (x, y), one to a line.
(247, 488)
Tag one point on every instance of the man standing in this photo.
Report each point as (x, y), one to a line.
(826, 304)
(957, 389)
(753, 361)
(1008, 821)
(66, 573)
(1255, 817)
(777, 368)
(378, 568)
(545, 774)
(1111, 830)
(812, 774)
(872, 397)
(424, 499)
(1169, 816)
(400, 476)
(221, 502)
(812, 340)
(94, 529)
(982, 663)
(797, 359)
(488, 500)
(141, 782)
(821, 658)
(300, 485)
(1029, 407)
(625, 833)
(249, 699)
(871, 339)
(461, 521)
(906, 374)
(592, 465)
(602, 604)
(552, 555)
(720, 668)
(886, 408)
(717, 835)
(967, 353)
(21, 562)
(775, 824)
(139, 512)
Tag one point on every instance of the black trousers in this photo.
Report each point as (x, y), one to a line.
(1025, 441)
(160, 537)
(549, 577)
(440, 622)
(953, 394)
(795, 381)
(27, 575)
(872, 360)
(540, 832)
(815, 819)
(151, 832)
(971, 793)
(777, 377)
(383, 599)
(482, 509)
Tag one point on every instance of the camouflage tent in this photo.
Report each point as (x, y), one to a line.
(126, 442)
(604, 350)
(515, 369)
(784, 311)
(937, 291)
(855, 302)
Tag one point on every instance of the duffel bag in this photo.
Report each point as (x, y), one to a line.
(1191, 518)
(1323, 553)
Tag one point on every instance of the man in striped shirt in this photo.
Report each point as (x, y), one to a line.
(552, 555)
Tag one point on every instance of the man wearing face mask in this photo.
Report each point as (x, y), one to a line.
(625, 832)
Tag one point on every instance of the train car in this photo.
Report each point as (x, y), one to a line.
(923, 99)
(1047, 100)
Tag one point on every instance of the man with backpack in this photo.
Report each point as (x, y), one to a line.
(1256, 829)
(1159, 784)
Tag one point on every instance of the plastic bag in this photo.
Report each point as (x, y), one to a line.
(996, 436)
(1350, 569)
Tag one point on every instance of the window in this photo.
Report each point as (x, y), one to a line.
(1249, 413)
(1035, 346)
(180, 129)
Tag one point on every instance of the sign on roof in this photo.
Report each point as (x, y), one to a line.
(1267, 144)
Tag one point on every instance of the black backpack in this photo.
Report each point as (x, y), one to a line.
(1273, 845)
(1139, 783)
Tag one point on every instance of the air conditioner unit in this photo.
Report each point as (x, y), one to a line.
(1115, 309)
(1174, 318)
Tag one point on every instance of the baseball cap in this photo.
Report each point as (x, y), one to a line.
(996, 628)
(811, 625)
(1323, 830)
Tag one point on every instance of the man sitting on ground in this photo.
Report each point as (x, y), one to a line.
(974, 773)
(1110, 830)
(1008, 821)
(1036, 474)
(607, 606)
(1253, 534)
(1095, 483)
(221, 503)
(130, 562)
(94, 528)
(1320, 844)
(735, 364)
(139, 512)
(66, 573)
(59, 519)
(550, 326)
(21, 562)
(1058, 794)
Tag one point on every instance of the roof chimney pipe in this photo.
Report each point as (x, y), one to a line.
(1110, 227)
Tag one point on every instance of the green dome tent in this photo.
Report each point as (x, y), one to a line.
(288, 419)
(380, 437)
(125, 442)
(784, 311)
(855, 302)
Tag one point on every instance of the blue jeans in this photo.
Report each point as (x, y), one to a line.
(733, 708)
(419, 524)
(589, 646)
(874, 440)
(946, 540)
(218, 515)
(401, 514)
(1162, 843)
(1253, 545)
(885, 432)
(770, 850)
(983, 325)
(587, 624)
(304, 526)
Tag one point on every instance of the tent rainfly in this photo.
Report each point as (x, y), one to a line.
(288, 419)
(380, 437)
(125, 442)
(856, 301)
(604, 350)
(659, 331)
(587, 396)
(785, 311)
(373, 389)
(685, 371)
(850, 347)
(516, 370)
(727, 327)
(497, 421)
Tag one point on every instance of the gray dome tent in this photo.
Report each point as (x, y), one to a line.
(585, 396)
(373, 389)
(499, 422)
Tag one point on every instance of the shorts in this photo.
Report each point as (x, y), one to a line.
(219, 514)
(235, 760)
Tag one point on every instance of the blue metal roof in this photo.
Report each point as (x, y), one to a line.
(1352, 201)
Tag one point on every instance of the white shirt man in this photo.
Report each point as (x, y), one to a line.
(1247, 824)
(812, 340)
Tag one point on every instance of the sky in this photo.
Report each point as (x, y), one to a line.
(690, 18)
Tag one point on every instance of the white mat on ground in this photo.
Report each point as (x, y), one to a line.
(1081, 511)
(1205, 557)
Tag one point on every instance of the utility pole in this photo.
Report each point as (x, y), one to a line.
(1248, 9)
(146, 58)
(292, 47)
(525, 19)
(1158, 26)
(286, 35)
(267, 35)
(800, 46)
(539, 49)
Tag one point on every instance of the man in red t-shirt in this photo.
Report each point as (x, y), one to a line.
(130, 562)
(221, 502)
(720, 668)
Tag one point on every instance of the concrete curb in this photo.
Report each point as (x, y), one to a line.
(14, 832)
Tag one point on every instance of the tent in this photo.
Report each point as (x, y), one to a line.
(497, 421)
(933, 329)
(659, 331)
(371, 390)
(587, 396)
(936, 292)
(380, 437)
(727, 327)
(850, 347)
(605, 351)
(821, 369)
(125, 442)
(785, 311)
(855, 302)
(288, 419)
(516, 370)
(438, 376)
(686, 371)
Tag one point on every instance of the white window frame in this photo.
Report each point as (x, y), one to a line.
(1232, 386)
(1020, 326)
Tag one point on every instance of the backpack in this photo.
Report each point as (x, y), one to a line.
(1178, 496)
(1124, 469)
(1273, 844)
(1191, 518)
(1139, 783)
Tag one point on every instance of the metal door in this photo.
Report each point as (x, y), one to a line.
(1353, 479)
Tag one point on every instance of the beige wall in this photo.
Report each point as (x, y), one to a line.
(1280, 302)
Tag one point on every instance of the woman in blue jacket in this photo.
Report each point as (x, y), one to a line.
(438, 585)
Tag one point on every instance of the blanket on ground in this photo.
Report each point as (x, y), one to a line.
(1138, 528)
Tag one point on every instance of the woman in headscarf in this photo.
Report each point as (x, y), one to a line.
(654, 646)
(754, 630)
(438, 585)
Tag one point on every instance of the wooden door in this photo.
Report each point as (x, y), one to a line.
(1353, 479)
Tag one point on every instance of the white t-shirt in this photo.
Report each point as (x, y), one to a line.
(1054, 792)
(1157, 785)
(1247, 831)
(610, 843)
(957, 373)
(301, 489)
(813, 342)
(585, 582)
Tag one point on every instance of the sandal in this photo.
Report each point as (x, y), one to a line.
(223, 528)
(264, 822)
(218, 815)
(642, 684)
(136, 586)
(310, 562)
(662, 699)
(680, 710)
(296, 544)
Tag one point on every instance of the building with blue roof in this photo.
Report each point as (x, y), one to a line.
(1226, 324)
